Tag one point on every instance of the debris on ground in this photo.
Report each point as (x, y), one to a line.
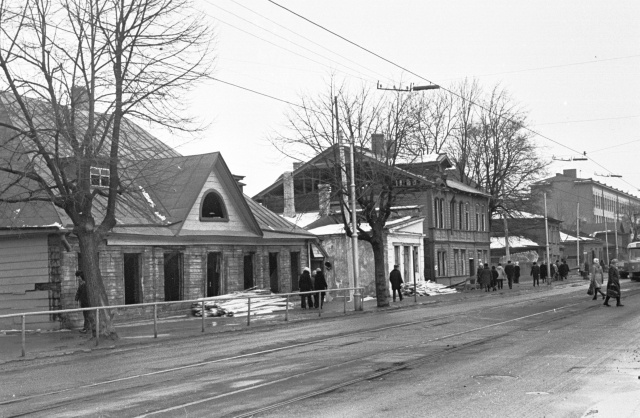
(427, 288)
(236, 304)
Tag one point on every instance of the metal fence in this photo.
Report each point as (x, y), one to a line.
(358, 293)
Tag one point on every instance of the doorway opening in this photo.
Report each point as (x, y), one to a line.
(295, 271)
(172, 276)
(132, 282)
(248, 271)
(273, 272)
(213, 274)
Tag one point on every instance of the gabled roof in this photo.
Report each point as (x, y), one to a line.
(270, 222)
(514, 242)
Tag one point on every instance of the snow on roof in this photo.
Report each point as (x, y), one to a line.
(514, 242)
(338, 229)
(518, 214)
(454, 184)
(566, 237)
(303, 219)
(608, 231)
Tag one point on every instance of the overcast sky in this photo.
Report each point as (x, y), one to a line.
(573, 64)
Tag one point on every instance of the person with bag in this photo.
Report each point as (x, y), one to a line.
(613, 284)
(597, 277)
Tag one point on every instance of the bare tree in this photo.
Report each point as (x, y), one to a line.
(434, 122)
(360, 115)
(72, 72)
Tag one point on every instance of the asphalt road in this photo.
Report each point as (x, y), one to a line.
(550, 354)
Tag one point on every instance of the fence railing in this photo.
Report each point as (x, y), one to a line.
(358, 293)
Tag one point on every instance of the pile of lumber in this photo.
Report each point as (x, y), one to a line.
(427, 288)
(236, 304)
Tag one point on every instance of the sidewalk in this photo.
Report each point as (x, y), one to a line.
(40, 344)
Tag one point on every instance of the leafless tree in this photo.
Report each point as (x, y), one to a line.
(313, 131)
(72, 72)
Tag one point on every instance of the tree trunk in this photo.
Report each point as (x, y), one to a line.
(382, 291)
(88, 241)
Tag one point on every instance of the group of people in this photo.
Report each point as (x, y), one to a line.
(558, 271)
(309, 282)
(494, 277)
(613, 282)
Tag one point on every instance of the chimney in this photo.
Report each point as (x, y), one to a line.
(324, 199)
(377, 144)
(80, 98)
(239, 182)
(289, 198)
(570, 173)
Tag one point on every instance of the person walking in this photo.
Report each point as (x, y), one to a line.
(564, 270)
(535, 273)
(516, 273)
(597, 277)
(557, 275)
(83, 297)
(553, 271)
(613, 284)
(320, 283)
(305, 285)
(479, 273)
(396, 282)
(485, 277)
(544, 272)
(494, 277)
(509, 271)
(501, 275)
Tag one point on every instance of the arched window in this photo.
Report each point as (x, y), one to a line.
(212, 207)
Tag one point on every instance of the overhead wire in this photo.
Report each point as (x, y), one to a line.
(432, 82)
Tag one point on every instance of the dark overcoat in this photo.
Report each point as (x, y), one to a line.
(395, 278)
(613, 284)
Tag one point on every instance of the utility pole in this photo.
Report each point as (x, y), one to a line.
(357, 306)
(606, 231)
(546, 229)
(615, 226)
(578, 236)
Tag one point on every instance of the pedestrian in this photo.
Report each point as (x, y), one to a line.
(486, 277)
(494, 278)
(396, 282)
(563, 270)
(597, 277)
(305, 285)
(479, 273)
(320, 283)
(557, 275)
(613, 284)
(553, 271)
(544, 272)
(509, 271)
(535, 273)
(83, 297)
(516, 273)
(586, 270)
(501, 275)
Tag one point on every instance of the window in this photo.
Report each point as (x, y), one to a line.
(456, 262)
(466, 216)
(396, 254)
(438, 215)
(463, 261)
(483, 218)
(477, 217)
(452, 214)
(212, 207)
(460, 212)
(99, 177)
(442, 263)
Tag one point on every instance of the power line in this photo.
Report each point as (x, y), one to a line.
(433, 82)
(586, 120)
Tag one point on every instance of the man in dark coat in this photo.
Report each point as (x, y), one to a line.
(509, 270)
(494, 277)
(544, 272)
(563, 270)
(396, 282)
(486, 277)
(305, 285)
(320, 283)
(516, 273)
(83, 297)
(535, 273)
(613, 284)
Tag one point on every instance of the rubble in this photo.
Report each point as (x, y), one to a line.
(236, 304)
(427, 288)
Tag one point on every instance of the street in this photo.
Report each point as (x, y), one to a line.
(552, 353)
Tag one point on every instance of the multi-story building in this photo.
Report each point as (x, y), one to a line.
(598, 206)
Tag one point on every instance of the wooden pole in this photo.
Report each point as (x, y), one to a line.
(97, 326)
(155, 320)
(546, 229)
(24, 336)
(203, 316)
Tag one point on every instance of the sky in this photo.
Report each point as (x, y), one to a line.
(574, 66)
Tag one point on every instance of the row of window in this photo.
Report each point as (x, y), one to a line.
(460, 216)
(608, 203)
(459, 266)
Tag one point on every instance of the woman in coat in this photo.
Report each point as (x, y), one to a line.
(306, 285)
(543, 272)
(486, 277)
(320, 283)
(597, 277)
(613, 284)
(516, 273)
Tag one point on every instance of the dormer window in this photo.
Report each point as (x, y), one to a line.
(212, 207)
(99, 177)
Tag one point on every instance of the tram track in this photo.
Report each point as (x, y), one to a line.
(433, 322)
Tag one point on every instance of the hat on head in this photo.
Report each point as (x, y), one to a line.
(395, 266)
(306, 269)
(595, 260)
